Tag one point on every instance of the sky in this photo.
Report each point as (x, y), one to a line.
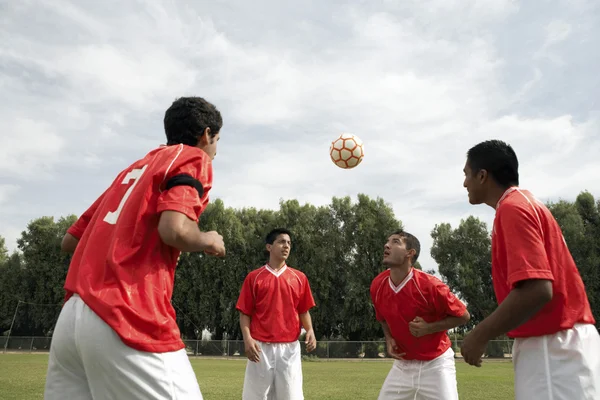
(84, 86)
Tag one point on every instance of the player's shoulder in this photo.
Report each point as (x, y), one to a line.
(519, 203)
(426, 279)
(291, 270)
(383, 275)
(256, 271)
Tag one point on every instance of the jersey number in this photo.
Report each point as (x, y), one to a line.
(135, 174)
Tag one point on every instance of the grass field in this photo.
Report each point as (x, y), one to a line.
(22, 377)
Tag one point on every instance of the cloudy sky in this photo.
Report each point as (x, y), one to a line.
(84, 86)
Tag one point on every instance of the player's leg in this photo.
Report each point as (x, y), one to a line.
(66, 377)
(258, 380)
(437, 378)
(288, 372)
(399, 383)
(118, 371)
(563, 366)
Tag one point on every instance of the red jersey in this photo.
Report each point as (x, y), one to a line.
(121, 268)
(418, 295)
(527, 243)
(274, 300)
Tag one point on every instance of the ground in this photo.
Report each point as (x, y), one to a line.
(22, 377)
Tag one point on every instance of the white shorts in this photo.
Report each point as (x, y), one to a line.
(89, 361)
(562, 366)
(278, 374)
(422, 380)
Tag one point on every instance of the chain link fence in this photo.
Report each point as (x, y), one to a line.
(499, 349)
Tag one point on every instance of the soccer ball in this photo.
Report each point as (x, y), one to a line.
(347, 151)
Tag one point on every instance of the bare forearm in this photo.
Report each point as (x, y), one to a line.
(449, 323)
(518, 307)
(386, 330)
(177, 230)
(306, 321)
(245, 326)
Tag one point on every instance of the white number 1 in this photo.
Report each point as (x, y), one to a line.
(112, 216)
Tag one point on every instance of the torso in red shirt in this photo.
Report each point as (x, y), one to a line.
(527, 243)
(422, 295)
(121, 268)
(274, 300)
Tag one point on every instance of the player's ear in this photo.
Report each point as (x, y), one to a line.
(205, 138)
(482, 175)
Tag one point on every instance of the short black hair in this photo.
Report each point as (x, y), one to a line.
(411, 242)
(271, 236)
(498, 159)
(187, 118)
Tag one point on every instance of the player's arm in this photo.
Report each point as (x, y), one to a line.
(178, 230)
(528, 273)
(245, 306)
(386, 330)
(69, 243)
(304, 305)
(449, 323)
(75, 231)
(245, 320)
(183, 198)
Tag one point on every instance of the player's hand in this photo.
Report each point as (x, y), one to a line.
(472, 349)
(252, 350)
(419, 327)
(393, 350)
(310, 340)
(216, 245)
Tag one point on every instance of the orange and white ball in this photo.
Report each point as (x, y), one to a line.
(347, 151)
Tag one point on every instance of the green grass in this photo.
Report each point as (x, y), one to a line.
(22, 377)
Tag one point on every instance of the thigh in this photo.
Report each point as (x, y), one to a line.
(398, 384)
(258, 380)
(65, 377)
(437, 380)
(116, 370)
(288, 372)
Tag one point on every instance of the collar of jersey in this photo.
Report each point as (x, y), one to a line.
(398, 288)
(505, 194)
(276, 273)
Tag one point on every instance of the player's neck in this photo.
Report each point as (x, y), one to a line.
(276, 265)
(495, 195)
(399, 273)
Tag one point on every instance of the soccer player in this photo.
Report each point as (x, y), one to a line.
(116, 335)
(542, 299)
(415, 310)
(274, 303)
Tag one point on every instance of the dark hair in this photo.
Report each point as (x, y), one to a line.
(498, 159)
(271, 236)
(411, 242)
(188, 117)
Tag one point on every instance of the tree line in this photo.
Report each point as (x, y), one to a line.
(339, 247)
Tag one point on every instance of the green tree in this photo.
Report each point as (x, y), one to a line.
(463, 256)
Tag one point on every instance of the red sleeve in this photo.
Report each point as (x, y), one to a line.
(245, 303)
(447, 303)
(78, 228)
(374, 288)
(185, 199)
(521, 234)
(306, 301)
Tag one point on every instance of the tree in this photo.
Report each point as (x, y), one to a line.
(463, 256)
(3, 251)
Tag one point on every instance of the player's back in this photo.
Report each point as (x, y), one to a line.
(121, 268)
(569, 304)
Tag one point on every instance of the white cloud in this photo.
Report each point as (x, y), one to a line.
(420, 84)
